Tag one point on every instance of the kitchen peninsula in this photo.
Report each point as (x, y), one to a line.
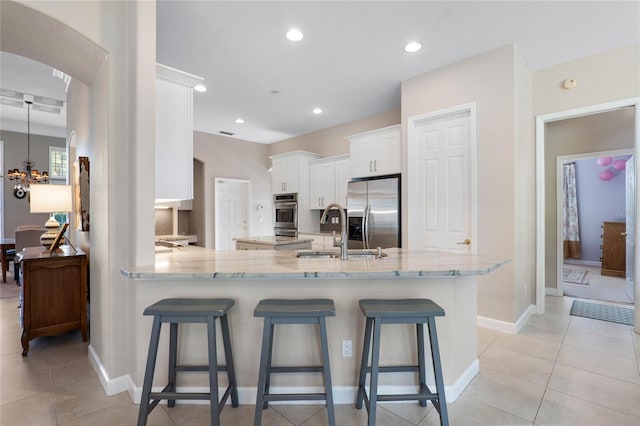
(249, 276)
(273, 243)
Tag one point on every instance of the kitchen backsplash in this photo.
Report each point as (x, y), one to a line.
(164, 221)
(333, 221)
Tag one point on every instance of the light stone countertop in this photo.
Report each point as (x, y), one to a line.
(273, 240)
(197, 263)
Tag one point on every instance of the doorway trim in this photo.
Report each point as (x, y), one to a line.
(559, 290)
(541, 120)
(412, 167)
(217, 182)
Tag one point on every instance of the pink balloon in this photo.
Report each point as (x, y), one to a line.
(604, 161)
(606, 175)
(619, 164)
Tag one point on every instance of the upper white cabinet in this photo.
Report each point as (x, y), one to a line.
(174, 134)
(328, 179)
(291, 172)
(376, 152)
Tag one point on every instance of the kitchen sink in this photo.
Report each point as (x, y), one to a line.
(354, 253)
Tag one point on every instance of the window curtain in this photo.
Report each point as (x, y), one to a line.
(570, 228)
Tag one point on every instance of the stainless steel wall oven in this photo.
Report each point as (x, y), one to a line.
(285, 214)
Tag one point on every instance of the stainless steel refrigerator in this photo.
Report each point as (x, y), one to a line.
(373, 213)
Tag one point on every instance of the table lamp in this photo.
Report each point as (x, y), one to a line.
(50, 199)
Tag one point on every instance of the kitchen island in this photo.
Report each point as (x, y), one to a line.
(273, 243)
(249, 276)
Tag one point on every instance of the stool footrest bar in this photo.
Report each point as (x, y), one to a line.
(300, 369)
(295, 397)
(396, 369)
(221, 368)
(179, 395)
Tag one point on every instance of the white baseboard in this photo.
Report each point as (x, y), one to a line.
(504, 326)
(583, 262)
(110, 386)
(247, 395)
(550, 291)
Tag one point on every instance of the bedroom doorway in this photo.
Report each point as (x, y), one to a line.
(546, 244)
(595, 198)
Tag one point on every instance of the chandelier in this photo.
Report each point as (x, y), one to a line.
(29, 174)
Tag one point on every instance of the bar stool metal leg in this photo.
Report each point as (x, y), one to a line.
(228, 355)
(327, 372)
(173, 360)
(213, 372)
(364, 363)
(262, 377)
(148, 373)
(375, 371)
(421, 362)
(441, 404)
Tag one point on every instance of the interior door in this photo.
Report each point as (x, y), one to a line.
(442, 151)
(232, 215)
(630, 201)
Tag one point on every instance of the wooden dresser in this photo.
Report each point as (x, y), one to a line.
(614, 258)
(53, 296)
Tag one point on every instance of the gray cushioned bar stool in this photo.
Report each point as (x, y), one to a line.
(400, 311)
(175, 311)
(293, 311)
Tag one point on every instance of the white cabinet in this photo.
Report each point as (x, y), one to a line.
(342, 181)
(321, 184)
(174, 134)
(376, 152)
(290, 171)
(328, 179)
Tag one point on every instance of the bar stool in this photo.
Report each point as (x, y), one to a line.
(175, 311)
(400, 311)
(292, 311)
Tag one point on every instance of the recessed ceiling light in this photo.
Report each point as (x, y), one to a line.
(239, 121)
(413, 46)
(318, 110)
(199, 88)
(294, 35)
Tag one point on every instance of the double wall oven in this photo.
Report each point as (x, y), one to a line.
(285, 215)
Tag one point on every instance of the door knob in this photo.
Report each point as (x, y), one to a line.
(624, 234)
(465, 242)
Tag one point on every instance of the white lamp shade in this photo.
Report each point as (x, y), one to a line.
(50, 198)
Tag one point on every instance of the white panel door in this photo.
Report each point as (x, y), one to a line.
(232, 201)
(443, 196)
(630, 192)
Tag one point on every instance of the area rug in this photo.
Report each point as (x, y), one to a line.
(576, 276)
(602, 312)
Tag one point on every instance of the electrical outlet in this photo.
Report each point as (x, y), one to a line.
(347, 349)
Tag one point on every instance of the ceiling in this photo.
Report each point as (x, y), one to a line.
(351, 60)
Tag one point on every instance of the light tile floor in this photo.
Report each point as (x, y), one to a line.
(560, 370)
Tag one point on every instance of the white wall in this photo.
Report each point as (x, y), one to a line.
(236, 159)
(112, 46)
(490, 81)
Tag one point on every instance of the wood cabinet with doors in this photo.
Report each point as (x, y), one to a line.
(53, 297)
(328, 181)
(376, 153)
(614, 249)
(174, 133)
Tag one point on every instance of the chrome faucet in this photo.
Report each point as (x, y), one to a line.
(343, 226)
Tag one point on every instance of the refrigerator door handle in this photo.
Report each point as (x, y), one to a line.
(365, 227)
